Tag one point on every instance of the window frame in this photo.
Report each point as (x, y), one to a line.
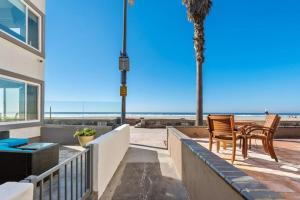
(38, 101)
(28, 7)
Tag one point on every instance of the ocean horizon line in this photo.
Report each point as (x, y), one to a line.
(173, 113)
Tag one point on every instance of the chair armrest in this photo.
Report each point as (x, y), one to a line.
(253, 128)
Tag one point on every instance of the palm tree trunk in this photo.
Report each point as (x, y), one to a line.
(199, 48)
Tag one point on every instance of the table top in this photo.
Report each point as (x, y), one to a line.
(35, 146)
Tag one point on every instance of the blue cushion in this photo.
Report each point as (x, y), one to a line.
(4, 144)
(13, 142)
(10, 149)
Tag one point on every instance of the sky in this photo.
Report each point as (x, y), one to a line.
(252, 56)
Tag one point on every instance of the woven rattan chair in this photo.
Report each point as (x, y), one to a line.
(222, 129)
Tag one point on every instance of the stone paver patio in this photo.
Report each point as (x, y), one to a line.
(282, 177)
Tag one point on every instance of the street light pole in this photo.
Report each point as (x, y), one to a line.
(124, 65)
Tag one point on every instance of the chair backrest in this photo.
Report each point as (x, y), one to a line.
(272, 121)
(220, 124)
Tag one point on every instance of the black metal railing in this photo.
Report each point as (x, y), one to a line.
(71, 179)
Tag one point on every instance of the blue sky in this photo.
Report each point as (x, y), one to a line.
(252, 55)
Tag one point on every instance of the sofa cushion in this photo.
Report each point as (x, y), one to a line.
(4, 144)
(13, 142)
(11, 149)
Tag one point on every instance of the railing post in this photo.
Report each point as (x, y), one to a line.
(90, 168)
(86, 167)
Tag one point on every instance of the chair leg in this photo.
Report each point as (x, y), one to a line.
(218, 146)
(240, 146)
(246, 147)
(210, 143)
(250, 145)
(265, 145)
(272, 151)
(233, 151)
(224, 145)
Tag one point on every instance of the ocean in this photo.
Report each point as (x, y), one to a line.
(164, 115)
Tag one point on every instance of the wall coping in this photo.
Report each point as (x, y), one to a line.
(245, 185)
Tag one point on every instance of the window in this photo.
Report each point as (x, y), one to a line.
(18, 101)
(32, 102)
(33, 30)
(19, 21)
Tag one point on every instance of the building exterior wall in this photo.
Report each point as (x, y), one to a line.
(18, 60)
(40, 4)
(22, 62)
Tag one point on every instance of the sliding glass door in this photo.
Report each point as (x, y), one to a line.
(19, 101)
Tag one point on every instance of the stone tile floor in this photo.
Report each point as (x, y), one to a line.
(282, 177)
(147, 171)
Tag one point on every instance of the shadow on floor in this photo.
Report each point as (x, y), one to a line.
(142, 176)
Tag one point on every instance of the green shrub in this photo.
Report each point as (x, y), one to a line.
(85, 132)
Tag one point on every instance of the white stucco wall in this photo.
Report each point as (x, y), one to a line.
(108, 152)
(40, 4)
(16, 191)
(18, 60)
(29, 132)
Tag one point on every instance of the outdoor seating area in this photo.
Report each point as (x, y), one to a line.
(20, 159)
(249, 147)
(223, 129)
(282, 176)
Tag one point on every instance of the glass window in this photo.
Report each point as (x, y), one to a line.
(15, 21)
(32, 102)
(12, 100)
(33, 30)
(13, 18)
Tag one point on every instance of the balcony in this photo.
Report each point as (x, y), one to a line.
(139, 163)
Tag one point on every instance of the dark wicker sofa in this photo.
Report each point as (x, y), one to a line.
(17, 164)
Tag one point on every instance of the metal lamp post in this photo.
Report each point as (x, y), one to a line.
(124, 64)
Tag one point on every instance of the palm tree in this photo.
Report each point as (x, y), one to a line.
(197, 11)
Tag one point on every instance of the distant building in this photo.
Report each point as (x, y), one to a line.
(22, 58)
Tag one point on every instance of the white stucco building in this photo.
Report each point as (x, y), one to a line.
(22, 60)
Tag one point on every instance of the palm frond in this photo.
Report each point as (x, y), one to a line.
(197, 8)
(131, 2)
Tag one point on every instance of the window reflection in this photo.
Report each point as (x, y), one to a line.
(33, 30)
(17, 20)
(13, 18)
(32, 102)
(12, 100)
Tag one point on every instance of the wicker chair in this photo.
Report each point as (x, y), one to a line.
(222, 129)
(264, 133)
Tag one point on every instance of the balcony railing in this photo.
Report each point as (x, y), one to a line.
(70, 179)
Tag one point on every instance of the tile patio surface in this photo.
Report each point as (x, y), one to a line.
(282, 177)
(147, 171)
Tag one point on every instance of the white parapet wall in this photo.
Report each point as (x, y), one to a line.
(108, 152)
(16, 191)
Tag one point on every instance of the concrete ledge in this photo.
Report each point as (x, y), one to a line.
(207, 176)
(16, 191)
(288, 132)
(108, 152)
(63, 134)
